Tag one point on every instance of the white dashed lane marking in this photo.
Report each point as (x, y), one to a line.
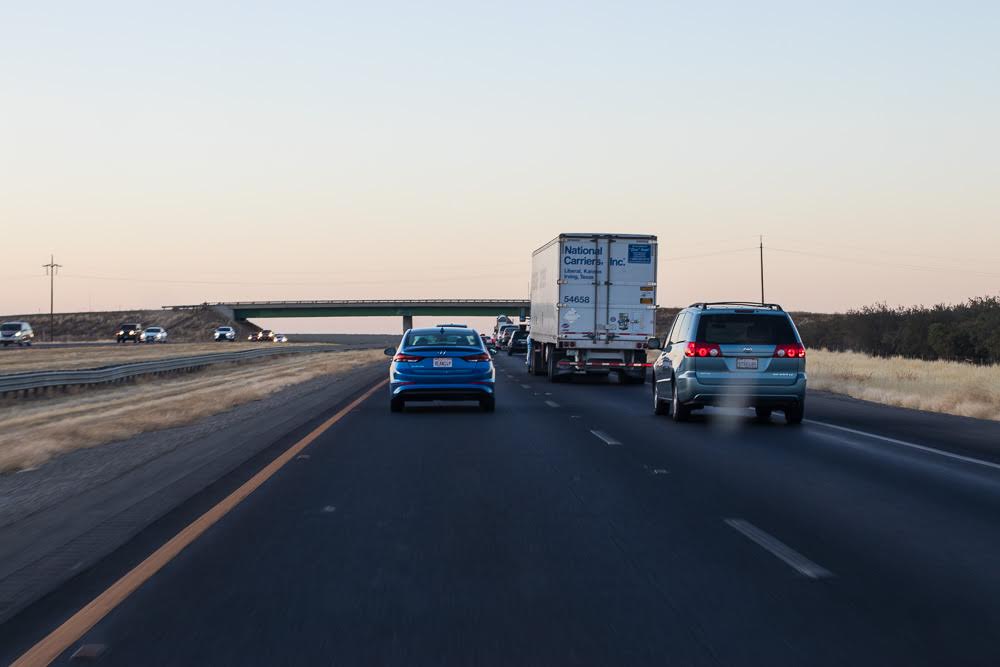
(552, 404)
(607, 439)
(779, 549)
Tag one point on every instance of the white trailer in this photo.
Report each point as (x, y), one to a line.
(593, 305)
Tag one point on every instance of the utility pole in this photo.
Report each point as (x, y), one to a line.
(762, 269)
(51, 269)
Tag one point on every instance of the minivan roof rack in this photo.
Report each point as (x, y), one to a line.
(752, 304)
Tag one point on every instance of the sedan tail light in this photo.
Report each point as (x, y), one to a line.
(406, 358)
(703, 350)
(478, 357)
(790, 351)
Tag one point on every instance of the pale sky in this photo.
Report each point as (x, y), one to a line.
(186, 152)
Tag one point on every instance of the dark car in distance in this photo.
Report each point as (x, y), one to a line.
(129, 331)
(517, 343)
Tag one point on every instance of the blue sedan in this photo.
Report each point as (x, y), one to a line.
(444, 363)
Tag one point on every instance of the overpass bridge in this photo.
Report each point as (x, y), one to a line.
(405, 308)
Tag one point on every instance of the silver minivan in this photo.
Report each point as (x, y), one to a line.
(731, 354)
(16, 333)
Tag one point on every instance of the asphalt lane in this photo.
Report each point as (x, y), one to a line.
(574, 527)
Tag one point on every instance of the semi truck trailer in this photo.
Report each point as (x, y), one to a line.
(593, 306)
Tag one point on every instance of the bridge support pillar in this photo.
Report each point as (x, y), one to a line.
(407, 322)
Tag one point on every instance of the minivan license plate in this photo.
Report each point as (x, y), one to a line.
(446, 363)
(747, 363)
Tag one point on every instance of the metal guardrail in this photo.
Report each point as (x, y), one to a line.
(42, 380)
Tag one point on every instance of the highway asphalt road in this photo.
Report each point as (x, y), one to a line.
(574, 527)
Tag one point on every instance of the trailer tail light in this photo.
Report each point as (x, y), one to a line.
(478, 357)
(406, 358)
(701, 350)
(790, 351)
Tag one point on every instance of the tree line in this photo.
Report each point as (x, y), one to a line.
(967, 331)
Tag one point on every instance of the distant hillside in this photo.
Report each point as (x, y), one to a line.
(182, 325)
(664, 318)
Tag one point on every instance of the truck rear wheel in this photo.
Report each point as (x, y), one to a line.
(537, 367)
(552, 366)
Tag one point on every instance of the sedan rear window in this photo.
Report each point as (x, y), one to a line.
(438, 339)
(729, 329)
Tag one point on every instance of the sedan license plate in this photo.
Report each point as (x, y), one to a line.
(442, 363)
(746, 363)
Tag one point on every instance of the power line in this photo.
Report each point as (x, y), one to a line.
(277, 283)
(916, 267)
(709, 254)
(890, 251)
(452, 270)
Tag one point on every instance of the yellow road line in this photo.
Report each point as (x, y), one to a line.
(63, 637)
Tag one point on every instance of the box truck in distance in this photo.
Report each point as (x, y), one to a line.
(593, 305)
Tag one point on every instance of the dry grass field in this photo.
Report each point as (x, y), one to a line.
(937, 386)
(18, 360)
(34, 431)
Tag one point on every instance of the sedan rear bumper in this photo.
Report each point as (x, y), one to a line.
(441, 392)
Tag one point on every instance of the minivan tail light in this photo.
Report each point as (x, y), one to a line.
(703, 350)
(478, 357)
(406, 358)
(790, 351)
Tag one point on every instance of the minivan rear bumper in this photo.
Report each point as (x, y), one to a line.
(692, 392)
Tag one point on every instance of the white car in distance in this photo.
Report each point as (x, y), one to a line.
(154, 335)
(224, 334)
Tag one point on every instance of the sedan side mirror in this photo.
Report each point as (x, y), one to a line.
(653, 343)
(390, 351)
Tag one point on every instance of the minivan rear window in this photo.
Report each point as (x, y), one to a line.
(10, 326)
(734, 329)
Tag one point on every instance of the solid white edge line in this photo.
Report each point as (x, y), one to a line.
(911, 445)
(607, 439)
(552, 404)
(779, 549)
